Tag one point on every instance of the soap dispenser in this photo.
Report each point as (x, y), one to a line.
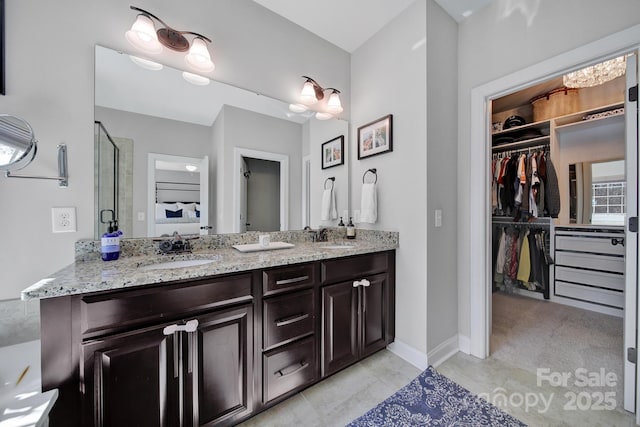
(341, 228)
(351, 230)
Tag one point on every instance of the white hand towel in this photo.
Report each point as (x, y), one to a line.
(329, 210)
(369, 204)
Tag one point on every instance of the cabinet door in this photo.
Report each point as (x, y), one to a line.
(374, 314)
(339, 327)
(220, 368)
(129, 380)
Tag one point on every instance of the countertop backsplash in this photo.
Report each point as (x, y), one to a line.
(89, 250)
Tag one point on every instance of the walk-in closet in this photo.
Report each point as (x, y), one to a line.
(558, 201)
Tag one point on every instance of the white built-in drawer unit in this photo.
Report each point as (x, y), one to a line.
(589, 265)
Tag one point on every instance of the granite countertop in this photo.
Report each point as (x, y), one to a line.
(91, 274)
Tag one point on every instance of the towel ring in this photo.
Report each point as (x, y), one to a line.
(374, 171)
(332, 179)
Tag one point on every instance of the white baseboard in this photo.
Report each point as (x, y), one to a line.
(464, 344)
(443, 351)
(410, 354)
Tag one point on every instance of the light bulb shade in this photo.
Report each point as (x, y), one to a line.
(142, 35)
(198, 56)
(596, 74)
(145, 63)
(333, 105)
(308, 94)
(323, 116)
(195, 79)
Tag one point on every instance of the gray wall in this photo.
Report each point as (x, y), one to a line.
(254, 131)
(530, 32)
(442, 41)
(153, 135)
(388, 75)
(253, 48)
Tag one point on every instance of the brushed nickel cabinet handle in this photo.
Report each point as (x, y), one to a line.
(293, 319)
(293, 280)
(290, 370)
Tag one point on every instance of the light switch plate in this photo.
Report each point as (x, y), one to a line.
(438, 217)
(140, 216)
(63, 220)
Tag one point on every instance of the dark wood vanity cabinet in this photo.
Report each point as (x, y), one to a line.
(357, 313)
(289, 330)
(212, 352)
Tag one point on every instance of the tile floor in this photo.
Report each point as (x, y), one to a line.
(526, 334)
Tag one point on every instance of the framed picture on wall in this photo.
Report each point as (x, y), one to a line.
(375, 137)
(333, 152)
(2, 88)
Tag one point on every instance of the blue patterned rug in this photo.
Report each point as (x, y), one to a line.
(432, 399)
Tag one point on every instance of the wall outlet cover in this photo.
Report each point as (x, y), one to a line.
(63, 220)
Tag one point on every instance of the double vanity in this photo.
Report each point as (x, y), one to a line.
(211, 337)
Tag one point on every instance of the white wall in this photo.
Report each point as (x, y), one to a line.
(254, 131)
(501, 39)
(388, 76)
(319, 132)
(152, 135)
(49, 78)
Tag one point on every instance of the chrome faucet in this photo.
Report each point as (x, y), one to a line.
(317, 236)
(175, 245)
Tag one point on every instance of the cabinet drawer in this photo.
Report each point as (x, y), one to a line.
(120, 310)
(355, 268)
(593, 278)
(288, 278)
(614, 264)
(288, 317)
(289, 368)
(599, 245)
(588, 294)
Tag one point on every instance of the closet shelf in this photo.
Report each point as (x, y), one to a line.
(542, 126)
(507, 220)
(522, 144)
(574, 118)
(589, 124)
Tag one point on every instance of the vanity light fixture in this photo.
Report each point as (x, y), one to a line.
(143, 36)
(596, 74)
(312, 93)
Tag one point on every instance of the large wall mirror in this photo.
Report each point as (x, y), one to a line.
(157, 135)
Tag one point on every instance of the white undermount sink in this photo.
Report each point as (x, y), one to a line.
(177, 264)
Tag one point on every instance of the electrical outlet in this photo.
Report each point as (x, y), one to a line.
(63, 220)
(438, 217)
(356, 216)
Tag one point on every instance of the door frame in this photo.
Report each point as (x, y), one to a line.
(479, 238)
(283, 159)
(306, 190)
(203, 163)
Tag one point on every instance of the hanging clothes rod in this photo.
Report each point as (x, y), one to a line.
(507, 220)
(332, 179)
(509, 152)
(374, 171)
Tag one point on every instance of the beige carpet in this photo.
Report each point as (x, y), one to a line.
(534, 334)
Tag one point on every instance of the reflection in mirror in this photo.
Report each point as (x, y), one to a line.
(158, 112)
(179, 195)
(597, 193)
(17, 143)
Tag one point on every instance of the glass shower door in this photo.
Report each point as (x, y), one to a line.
(106, 180)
